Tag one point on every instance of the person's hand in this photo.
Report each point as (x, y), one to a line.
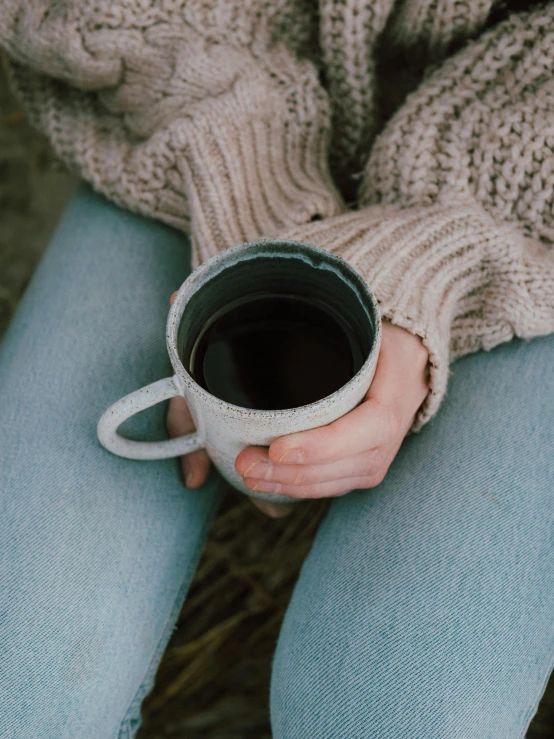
(356, 450)
(195, 466)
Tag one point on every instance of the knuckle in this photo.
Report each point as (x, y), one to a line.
(381, 457)
(394, 420)
(326, 434)
(310, 490)
(379, 476)
(299, 476)
(367, 482)
(373, 462)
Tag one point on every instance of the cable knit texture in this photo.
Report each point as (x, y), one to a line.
(244, 120)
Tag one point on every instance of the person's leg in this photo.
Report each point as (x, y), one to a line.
(96, 552)
(425, 609)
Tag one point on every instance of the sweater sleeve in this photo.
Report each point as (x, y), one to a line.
(455, 228)
(196, 113)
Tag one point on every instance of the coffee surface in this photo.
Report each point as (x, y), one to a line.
(274, 351)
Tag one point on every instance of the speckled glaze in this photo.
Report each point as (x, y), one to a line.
(224, 429)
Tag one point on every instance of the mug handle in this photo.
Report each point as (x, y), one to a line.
(139, 401)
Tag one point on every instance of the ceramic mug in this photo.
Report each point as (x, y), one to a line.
(224, 429)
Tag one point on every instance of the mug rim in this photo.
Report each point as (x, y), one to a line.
(190, 286)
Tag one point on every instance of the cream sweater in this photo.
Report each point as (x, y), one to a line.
(414, 138)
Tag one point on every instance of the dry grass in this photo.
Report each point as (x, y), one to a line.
(213, 680)
(33, 191)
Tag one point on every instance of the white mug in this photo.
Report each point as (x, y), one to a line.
(224, 429)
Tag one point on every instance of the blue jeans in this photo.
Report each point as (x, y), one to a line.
(424, 609)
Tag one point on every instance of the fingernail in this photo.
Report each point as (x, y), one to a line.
(188, 473)
(262, 486)
(260, 468)
(293, 456)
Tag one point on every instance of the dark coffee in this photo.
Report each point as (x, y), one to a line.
(275, 351)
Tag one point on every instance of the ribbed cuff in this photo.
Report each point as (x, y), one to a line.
(422, 264)
(254, 177)
(230, 168)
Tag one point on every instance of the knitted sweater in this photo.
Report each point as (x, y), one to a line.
(414, 138)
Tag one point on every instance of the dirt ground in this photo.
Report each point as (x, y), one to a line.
(214, 677)
(33, 192)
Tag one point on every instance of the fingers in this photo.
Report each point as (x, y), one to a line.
(398, 389)
(254, 462)
(179, 420)
(371, 424)
(172, 297)
(365, 470)
(330, 489)
(273, 510)
(194, 466)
